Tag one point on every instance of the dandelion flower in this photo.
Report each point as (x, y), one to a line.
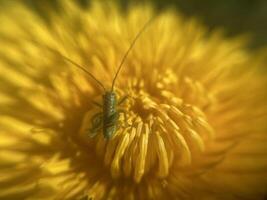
(196, 109)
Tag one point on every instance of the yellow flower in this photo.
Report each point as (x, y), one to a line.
(196, 109)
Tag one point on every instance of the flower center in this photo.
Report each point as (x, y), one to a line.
(161, 129)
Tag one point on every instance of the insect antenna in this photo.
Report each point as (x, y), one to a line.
(83, 69)
(129, 49)
(70, 61)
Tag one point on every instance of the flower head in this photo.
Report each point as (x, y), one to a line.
(193, 125)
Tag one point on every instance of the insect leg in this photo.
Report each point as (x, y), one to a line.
(97, 118)
(96, 121)
(97, 104)
(122, 99)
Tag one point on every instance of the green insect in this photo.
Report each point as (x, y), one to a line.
(107, 120)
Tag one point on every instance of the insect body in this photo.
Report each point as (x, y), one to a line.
(107, 120)
(110, 114)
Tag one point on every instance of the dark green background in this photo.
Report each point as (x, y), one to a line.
(235, 16)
